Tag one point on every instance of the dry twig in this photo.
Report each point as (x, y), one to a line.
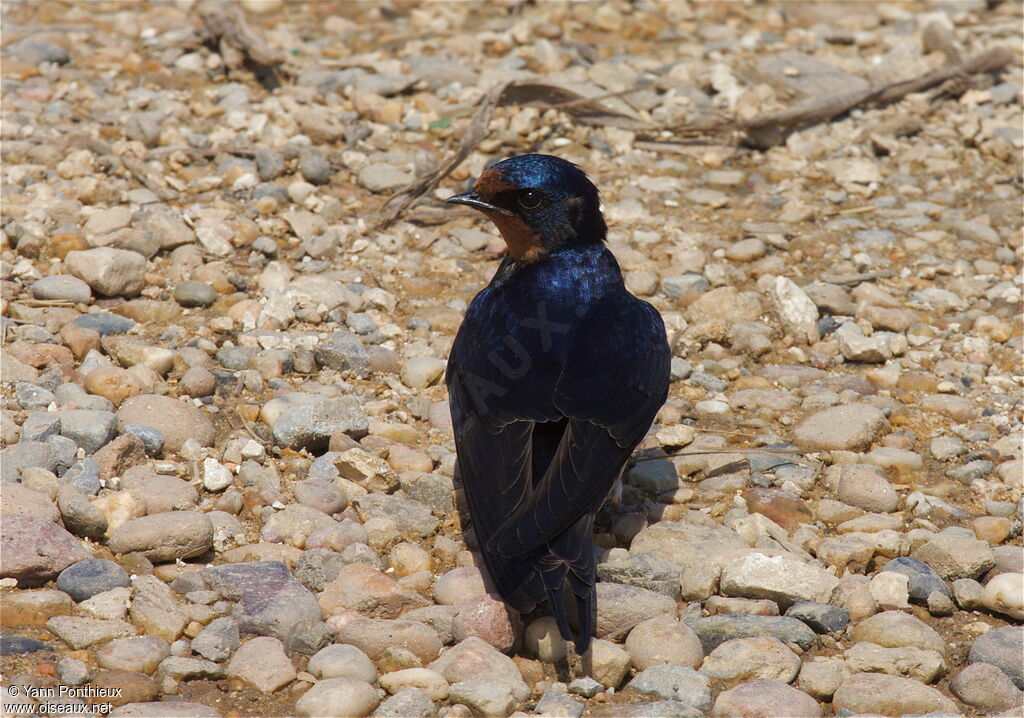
(401, 200)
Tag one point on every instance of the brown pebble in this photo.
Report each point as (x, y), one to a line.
(993, 529)
(79, 340)
(113, 384)
(197, 381)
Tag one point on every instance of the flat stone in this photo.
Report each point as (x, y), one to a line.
(906, 661)
(413, 519)
(134, 653)
(165, 536)
(34, 550)
(894, 629)
(955, 556)
(310, 426)
(373, 636)
(484, 697)
(362, 588)
(91, 576)
(61, 287)
(89, 429)
(821, 617)
(889, 695)
(261, 663)
(33, 607)
(12, 645)
(218, 640)
(269, 600)
(176, 420)
(765, 697)
(851, 427)
(743, 659)
(17, 499)
(621, 607)
(715, 630)
(777, 578)
(430, 682)
(84, 632)
(675, 683)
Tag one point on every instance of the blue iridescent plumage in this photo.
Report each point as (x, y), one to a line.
(554, 377)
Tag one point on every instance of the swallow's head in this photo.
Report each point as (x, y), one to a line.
(539, 203)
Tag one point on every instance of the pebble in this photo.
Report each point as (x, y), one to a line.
(849, 427)
(191, 293)
(1004, 594)
(374, 636)
(889, 695)
(955, 556)
(421, 372)
(218, 640)
(475, 659)
(270, 601)
(765, 697)
(1002, 647)
(675, 683)
(743, 659)
(176, 421)
(165, 536)
(905, 661)
(429, 682)
(340, 661)
(620, 607)
(262, 664)
(407, 703)
(134, 653)
(715, 630)
(663, 640)
(340, 697)
(383, 177)
(484, 697)
(894, 629)
(81, 633)
(35, 550)
(777, 578)
(984, 686)
(315, 168)
(91, 576)
(820, 617)
(922, 580)
(61, 287)
(108, 271)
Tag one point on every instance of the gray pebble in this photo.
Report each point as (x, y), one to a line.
(315, 168)
(191, 293)
(86, 578)
(62, 287)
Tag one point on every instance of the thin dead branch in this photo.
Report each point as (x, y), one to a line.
(772, 129)
(399, 202)
(239, 44)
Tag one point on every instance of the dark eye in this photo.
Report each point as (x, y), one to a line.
(530, 199)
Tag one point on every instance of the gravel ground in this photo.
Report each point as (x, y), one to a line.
(227, 463)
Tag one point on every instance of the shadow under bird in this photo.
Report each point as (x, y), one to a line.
(555, 376)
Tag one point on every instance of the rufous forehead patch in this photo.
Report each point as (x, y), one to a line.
(492, 182)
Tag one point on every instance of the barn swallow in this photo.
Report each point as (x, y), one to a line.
(555, 376)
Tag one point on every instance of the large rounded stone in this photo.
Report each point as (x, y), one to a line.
(889, 695)
(176, 420)
(764, 698)
(34, 550)
(164, 537)
(111, 272)
(664, 640)
(851, 427)
(338, 698)
(93, 575)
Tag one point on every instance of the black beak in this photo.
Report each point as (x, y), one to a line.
(472, 199)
